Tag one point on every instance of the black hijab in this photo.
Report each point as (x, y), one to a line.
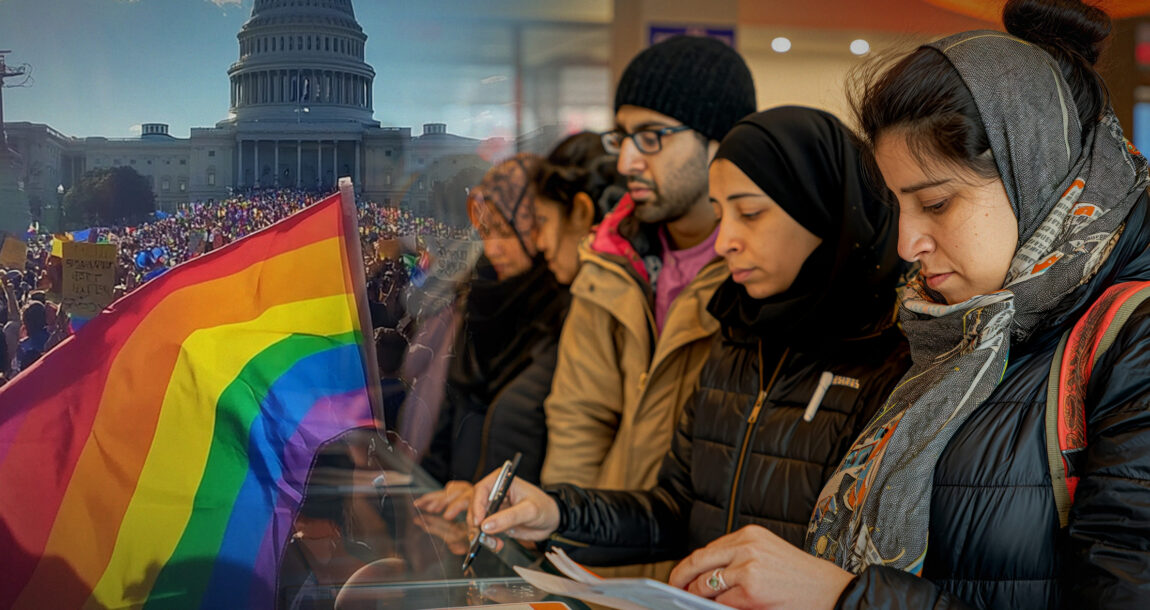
(807, 162)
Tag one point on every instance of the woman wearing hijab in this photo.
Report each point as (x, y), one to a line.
(1022, 203)
(808, 352)
(507, 345)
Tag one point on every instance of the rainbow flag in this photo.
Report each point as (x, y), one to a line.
(158, 457)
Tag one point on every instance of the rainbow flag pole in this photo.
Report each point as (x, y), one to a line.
(159, 456)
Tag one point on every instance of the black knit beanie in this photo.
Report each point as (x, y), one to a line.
(700, 81)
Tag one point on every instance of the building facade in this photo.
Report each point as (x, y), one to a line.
(300, 116)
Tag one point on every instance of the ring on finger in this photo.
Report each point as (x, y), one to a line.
(716, 582)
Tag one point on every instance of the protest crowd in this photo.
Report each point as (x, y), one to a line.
(31, 292)
(761, 355)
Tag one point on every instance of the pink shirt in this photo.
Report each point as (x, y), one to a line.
(679, 268)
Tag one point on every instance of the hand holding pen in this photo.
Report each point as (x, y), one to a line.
(530, 514)
(495, 498)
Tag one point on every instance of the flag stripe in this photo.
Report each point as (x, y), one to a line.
(113, 454)
(328, 418)
(187, 573)
(108, 334)
(163, 500)
(336, 371)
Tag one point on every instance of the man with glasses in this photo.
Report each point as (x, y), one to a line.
(638, 332)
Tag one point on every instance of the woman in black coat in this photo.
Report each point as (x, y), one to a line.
(507, 343)
(1022, 203)
(792, 379)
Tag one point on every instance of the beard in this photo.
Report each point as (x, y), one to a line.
(682, 188)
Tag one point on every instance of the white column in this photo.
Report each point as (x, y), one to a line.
(276, 169)
(355, 172)
(298, 163)
(256, 152)
(240, 168)
(319, 161)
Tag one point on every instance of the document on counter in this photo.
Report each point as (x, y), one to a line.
(621, 593)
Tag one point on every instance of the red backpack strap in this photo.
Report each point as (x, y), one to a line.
(1080, 349)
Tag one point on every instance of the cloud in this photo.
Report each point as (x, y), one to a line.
(226, 3)
(136, 128)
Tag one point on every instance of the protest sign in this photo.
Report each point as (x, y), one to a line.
(89, 274)
(13, 253)
(452, 257)
(387, 249)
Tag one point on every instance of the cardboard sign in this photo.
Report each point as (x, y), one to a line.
(13, 254)
(387, 249)
(89, 272)
(196, 243)
(452, 258)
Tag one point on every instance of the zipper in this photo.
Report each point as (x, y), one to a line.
(764, 391)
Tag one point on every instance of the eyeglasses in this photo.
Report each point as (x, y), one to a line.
(647, 141)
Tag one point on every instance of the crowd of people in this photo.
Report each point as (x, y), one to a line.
(30, 295)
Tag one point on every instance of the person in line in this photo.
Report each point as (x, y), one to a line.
(1022, 203)
(574, 188)
(812, 254)
(505, 350)
(638, 331)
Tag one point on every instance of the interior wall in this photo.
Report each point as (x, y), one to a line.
(815, 70)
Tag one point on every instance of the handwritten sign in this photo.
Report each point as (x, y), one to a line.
(13, 254)
(89, 277)
(452, 258)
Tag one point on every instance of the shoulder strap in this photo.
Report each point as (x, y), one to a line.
(1080, 349)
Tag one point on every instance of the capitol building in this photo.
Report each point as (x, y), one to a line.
(300, 116)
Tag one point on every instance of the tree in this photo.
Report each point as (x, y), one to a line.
(109, 195)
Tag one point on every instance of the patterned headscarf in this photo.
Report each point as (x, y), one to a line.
(1071, 201)
(506, 190)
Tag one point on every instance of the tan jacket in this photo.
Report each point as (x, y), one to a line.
(617, 393)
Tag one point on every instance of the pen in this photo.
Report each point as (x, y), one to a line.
(498, 493)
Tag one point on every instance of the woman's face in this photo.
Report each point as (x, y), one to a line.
(764, 247)
(500, 244)
(557, 236)
(959, 227)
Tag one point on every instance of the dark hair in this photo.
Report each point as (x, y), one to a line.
(580, 164)
(390, 349)
(34, 316)
(923, 96)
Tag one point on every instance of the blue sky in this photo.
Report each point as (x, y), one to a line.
(102, 67)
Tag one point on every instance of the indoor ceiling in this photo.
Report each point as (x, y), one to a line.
(905, 16)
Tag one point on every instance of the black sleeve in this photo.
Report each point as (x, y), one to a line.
(599, 527)
(1108, 563)
(894, 589)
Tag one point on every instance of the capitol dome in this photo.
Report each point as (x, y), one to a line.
(301, 61)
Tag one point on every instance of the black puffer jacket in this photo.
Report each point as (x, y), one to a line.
(734, 448)
(501, 371)
(995, 540)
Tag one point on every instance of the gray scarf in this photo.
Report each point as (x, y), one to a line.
(1071, 202)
